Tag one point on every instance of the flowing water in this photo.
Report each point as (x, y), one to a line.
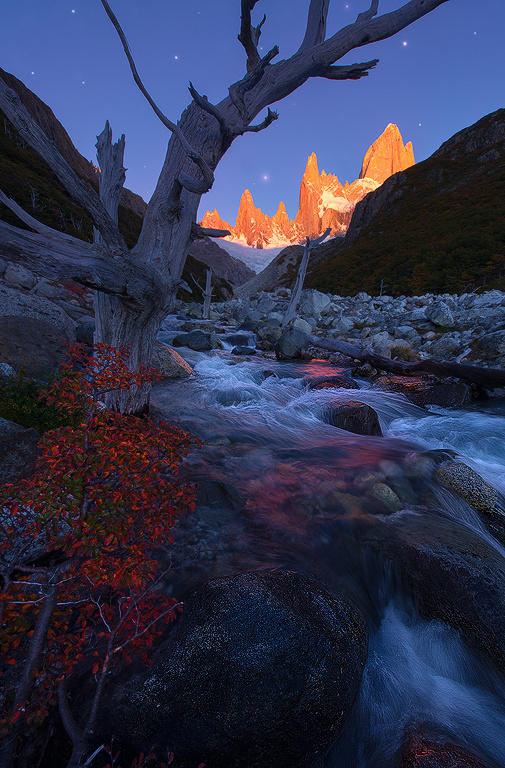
(283, 487)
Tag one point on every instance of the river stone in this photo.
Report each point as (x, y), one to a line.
(197, 340)
(421, 752)
(427, 390)
(261, 670)
(470, 486)
(452, 573)
(18, 451)
(243, 351)
(291, 344)
(336, 381)
(170, 363)
(353, 417)
(440, 314)
(386, 496)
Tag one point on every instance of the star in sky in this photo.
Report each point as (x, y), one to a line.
(404, 43)
(176, 57)
(73, 10)
(266, 177)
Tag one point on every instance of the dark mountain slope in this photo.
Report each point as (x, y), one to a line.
(437, 226)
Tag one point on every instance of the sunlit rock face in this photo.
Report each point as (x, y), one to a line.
(387, 156)
(324, 201)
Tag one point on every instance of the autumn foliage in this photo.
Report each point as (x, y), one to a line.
(81, 587)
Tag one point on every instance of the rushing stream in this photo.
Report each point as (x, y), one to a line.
(282, 487)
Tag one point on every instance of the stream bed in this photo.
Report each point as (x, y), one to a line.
(280, 487)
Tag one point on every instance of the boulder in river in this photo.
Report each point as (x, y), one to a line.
(261, 670)
(422, 752)
(354, 417)
(170, 363)
(470, 486)
(291, 344)
(427, 390)
(335, 381)
(453, 574)
(197, 339)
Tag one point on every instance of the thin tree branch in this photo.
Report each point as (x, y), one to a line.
(249, 35)
(79, 190)
(25, 217)
(315, 31)
(198, 187)
(238, 90)
(73, 731)
(269, 119)
(350, 71)
(367, 15)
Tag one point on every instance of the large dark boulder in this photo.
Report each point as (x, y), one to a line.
(332, 381)
(291, 344)
(261, 670)
(453, 574)
(18, 451)
(197, 339)
(353, 417)
(427, 390)
(32, 345)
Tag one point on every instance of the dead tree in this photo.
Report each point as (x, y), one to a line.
(135, 289)
(206, 292)
(300, 277)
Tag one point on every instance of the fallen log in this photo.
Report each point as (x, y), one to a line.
(489, 378)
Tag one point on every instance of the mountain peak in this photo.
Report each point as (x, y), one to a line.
(387, 155)
(324, 201)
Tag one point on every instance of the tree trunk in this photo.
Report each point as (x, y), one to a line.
(120, 326)
(207, 295)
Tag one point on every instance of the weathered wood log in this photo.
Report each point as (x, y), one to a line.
(489, 378)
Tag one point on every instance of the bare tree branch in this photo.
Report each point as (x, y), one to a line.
(367, 15)
(269, 119)
(112, 173)
(198, 187)
(315, 32)
(207, 106)
(25, 217)
(249, 35)
(350, 71)
(58, 256)
(79, 190)
(238, 90)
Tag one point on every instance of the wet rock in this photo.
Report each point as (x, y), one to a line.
(19, 277)
(237, 339)
(338, 381)
(18, 451)
(353, 417)
(365, 371)
(170, 363)
(260, 670)
(386, 496)
(453, 575)
(243, 351)
(470, 486)
(198, 340)
(291, 344)
(422, 752)
(427, 390)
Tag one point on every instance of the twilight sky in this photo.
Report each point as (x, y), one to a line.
(434, 78)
